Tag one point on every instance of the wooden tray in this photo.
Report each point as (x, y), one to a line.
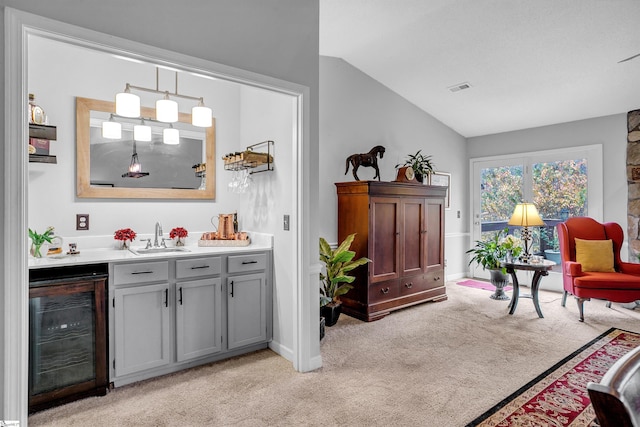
(213, 243)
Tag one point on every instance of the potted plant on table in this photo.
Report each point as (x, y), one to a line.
(422, 165)
(38, 240)
(335, 281)
(489, 253)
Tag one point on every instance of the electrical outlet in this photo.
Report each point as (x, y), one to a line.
(82, 222)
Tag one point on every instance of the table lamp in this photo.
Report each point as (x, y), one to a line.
(526, 215)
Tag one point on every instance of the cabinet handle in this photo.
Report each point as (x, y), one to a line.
(385, 290)
(423, 232)
(142, 272)
(199, 267)
(249, 262)
(166, 297)
(232, 289)
(436, 278)
(409, 285)
(180, 295)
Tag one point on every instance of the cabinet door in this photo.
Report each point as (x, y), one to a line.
(435, 234)
(142, 317)
(384, 241)
(247, 305)
(412, 253)
(198, 318)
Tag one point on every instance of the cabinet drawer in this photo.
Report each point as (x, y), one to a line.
(411, 285)
(186, 268)
(140, 272)
(242, 263)
(383, 291)
(434, 279)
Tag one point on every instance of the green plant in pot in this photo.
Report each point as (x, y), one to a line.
(422, 165)
(37, 240)
(550, 237)
(490, 252)
(336, 281)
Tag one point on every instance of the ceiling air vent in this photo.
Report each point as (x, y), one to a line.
(459, 87)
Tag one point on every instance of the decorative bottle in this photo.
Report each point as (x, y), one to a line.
(36, 113)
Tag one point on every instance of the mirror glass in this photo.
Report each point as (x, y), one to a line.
(184, 171)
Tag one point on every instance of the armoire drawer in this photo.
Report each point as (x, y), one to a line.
(435, 278)
(383, 291)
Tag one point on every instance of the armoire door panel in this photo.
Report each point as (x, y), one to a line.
(412, 242)
(385, 239)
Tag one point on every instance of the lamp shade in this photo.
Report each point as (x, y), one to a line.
(166, 110)
(111, 130)
(526, 215)
(142, 133)
(127, 104)
(201, 116)
(171, 136)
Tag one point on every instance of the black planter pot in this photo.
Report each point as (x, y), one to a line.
(321, 327)
(331, 313)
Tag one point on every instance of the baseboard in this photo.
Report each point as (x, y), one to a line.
(281, 350)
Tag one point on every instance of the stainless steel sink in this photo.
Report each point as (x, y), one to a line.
(143, 251)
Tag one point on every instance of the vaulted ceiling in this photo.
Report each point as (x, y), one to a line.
(527, 63)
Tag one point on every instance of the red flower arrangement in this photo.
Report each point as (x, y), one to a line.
(178, 232)
(124, 234)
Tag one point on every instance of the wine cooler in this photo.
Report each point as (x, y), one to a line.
(67, 334)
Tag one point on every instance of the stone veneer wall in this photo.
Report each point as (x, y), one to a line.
(633, 183)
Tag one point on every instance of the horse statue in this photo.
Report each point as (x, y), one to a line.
(365, 159)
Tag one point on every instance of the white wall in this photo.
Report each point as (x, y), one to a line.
(277, 38)
(610, 131)
(358, 113)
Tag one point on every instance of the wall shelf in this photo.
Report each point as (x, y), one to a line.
(42, 158)
(251, 159)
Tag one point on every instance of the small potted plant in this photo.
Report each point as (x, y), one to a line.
(422, 165)
(335, 281)
(489, 253)
(38, 240)
(180, 233)
(126, 236)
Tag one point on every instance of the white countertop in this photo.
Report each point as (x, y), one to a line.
(259, 242)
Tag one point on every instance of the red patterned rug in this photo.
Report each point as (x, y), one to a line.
(558, 397)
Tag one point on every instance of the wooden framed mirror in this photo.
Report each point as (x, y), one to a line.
(183, 171)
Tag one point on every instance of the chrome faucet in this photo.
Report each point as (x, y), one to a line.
(158, 233)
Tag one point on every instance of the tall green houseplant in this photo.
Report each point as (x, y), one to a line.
(336, 281)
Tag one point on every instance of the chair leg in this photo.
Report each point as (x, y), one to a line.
(580, 302)
(564, 298)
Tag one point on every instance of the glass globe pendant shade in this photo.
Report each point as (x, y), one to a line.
(142, 133)
(166, 110)
(111, 130)
(171, 136)
(201, 116)
(127, 104)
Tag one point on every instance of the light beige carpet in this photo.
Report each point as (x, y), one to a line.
(436, 364)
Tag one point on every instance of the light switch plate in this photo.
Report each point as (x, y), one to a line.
(82, 222)
(286, 223)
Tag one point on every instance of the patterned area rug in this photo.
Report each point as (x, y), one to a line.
(558, 397)
(470, 283)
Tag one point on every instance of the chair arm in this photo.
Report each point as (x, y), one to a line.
(573, 268)
(629, 268)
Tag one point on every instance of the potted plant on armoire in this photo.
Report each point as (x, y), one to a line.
(335, 281)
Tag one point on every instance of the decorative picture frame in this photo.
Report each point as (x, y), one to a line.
(442, 179)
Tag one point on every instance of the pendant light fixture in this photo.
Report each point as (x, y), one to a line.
(127, 103)
(135, 167)
(171, 136)
(166, 109)
(142, 132)
(201, 116)
(111, 129)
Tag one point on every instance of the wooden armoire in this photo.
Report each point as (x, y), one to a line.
(400, 228)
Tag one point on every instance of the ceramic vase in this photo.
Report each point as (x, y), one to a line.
(500, 280)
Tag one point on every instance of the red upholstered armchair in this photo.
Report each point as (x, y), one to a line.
(622, 284)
